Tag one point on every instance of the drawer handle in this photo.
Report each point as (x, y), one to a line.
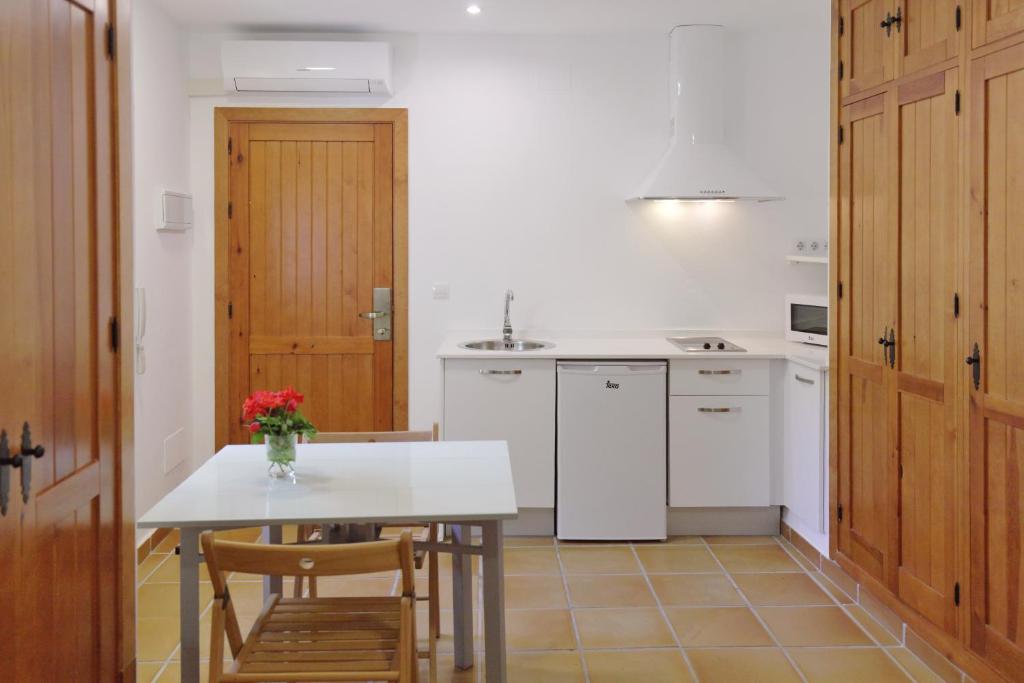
(501, 372)
(717, 410)
(803, 379)
(718, 372)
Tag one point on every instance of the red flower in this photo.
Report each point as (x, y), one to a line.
(254, 427)
(262, 403)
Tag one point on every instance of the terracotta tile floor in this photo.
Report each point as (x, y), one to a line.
(694, 609)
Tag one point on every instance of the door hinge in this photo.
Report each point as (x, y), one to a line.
(839, 289)
(840, 69)
(956, 103)
(956, 305)
(230, 210)
(842, 135)
(956, 593)
(111, 41)
(231, 310)
(899, 468)
(842, 26)
(958, 18)
(839, 512)
(229, 146)
(115, 334)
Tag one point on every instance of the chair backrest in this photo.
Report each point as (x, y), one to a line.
(308, 560)
(376, 437)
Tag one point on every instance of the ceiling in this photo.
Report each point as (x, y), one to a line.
(497, 16)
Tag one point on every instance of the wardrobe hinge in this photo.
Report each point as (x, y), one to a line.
(842, 26)
(839, 512)
(958, 18)
(842, 135)
(956, 594)
(956, 305)
(115, 334)
(229, 146)
(956, 103)
(840, 69)
(111, 42)
(231, 310)
(839, 289)
(900, 468)
(230, 210)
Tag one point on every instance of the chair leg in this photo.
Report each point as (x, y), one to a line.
(312, 586)
(297, 593)
(434, 603)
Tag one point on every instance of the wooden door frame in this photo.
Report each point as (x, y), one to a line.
(223, 117)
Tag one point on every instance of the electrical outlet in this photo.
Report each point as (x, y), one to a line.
(800, 246)
(814, 246)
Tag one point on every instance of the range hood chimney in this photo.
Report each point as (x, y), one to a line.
(700, 165)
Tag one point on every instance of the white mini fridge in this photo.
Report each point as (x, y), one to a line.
(611, 451)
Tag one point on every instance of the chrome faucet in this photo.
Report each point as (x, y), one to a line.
(506, 330)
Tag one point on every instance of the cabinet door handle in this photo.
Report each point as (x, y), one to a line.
(803, 379)
(718, 372)
(717, 410)
(501, 372)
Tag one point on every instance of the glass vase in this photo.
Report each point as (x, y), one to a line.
(281, 454)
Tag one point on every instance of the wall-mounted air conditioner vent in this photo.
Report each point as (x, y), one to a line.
(306, 66)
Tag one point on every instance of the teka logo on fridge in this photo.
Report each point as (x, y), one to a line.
(611, 385)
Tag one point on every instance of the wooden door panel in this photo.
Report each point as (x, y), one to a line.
(997, 325)
(927, 363)
(317, 233)
(927, 34)
(59, 369)
(868, 54)
(995, 19)
(865, 314)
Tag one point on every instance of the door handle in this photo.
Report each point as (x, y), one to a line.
(974, 360)
(501, 372)
(28, 453)
(716, 410)
(803, 379)
(718, 372)
(381, 314)
(373, 315)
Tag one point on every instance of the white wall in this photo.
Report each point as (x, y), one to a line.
(522, 151)
(163, 261)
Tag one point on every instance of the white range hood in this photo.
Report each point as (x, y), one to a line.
(700, 165)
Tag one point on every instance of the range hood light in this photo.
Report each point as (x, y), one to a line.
(699, 165)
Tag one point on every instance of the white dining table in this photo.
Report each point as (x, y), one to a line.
(464, 484)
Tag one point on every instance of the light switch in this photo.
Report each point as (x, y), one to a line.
(441, 290)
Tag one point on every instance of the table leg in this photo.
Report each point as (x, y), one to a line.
(462, 598)
(188, 604)
(494, 601)
(271, 584)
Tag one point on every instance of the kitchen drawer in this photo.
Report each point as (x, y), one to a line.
(718, 377)
(719, 451)
(509, 400)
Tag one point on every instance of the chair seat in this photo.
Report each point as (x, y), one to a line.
(298, 637)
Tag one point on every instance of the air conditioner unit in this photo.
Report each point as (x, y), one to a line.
(298, 66)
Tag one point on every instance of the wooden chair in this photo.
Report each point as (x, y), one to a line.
(314, 639)
(422, 533)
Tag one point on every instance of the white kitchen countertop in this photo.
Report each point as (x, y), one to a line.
(606, 345)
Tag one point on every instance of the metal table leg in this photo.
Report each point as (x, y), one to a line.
(188, 603)
(271, 584)
(462, 598)
(494, 601)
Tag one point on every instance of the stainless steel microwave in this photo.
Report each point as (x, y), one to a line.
(807, 319)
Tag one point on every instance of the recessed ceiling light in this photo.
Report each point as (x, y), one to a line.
(473, 9)
(317, 68)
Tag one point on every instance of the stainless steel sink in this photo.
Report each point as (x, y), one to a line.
(503, 345)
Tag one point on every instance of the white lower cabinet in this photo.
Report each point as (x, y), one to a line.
(513, 401)
(719, 451)
(804, 462)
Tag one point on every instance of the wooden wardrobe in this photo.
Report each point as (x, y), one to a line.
(927, 310)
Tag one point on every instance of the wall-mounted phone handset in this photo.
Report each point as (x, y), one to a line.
(140, 330)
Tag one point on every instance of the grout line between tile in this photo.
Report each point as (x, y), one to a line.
(750, 606)
(572, 612)
(664, 615)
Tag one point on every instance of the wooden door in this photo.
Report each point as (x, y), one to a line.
(58, 293)
(867, 52)
(997, 327)
(995, 19)
(927, 361)
(866, 315)
(927, 34)
(311, 227)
